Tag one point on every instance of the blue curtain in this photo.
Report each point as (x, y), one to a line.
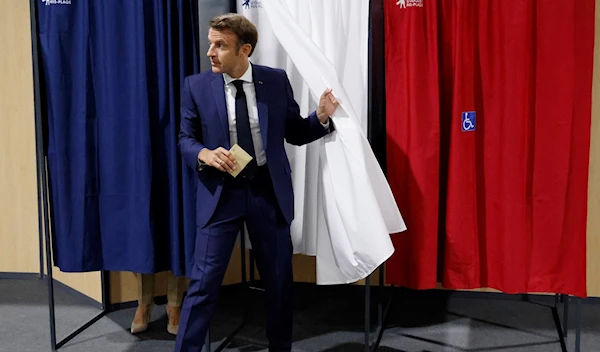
(121, 199)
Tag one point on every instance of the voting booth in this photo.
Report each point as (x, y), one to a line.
(397, 127)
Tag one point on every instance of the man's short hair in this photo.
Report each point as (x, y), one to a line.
(245, 30)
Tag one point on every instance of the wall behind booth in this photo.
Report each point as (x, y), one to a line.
(19, 247)
(593, 224)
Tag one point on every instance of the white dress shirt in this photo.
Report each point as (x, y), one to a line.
(230, 92)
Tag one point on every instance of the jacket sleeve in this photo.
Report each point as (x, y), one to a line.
(299, 130)
(190, 134)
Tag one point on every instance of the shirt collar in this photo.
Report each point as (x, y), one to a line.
(246, 77)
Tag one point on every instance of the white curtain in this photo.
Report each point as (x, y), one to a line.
(303, 160)
(344, 209)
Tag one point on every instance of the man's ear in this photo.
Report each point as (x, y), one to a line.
(246, 49)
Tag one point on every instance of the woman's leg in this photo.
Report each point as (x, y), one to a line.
(145, 302)
(175, 290)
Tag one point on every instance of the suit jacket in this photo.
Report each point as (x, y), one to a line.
(204, 124)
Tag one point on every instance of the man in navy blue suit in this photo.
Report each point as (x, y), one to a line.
(253, 106)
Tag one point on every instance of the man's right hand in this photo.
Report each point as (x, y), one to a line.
(220, 158)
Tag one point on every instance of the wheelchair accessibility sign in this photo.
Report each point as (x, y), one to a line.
(468, 121)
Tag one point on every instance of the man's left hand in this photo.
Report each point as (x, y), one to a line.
(327, 106)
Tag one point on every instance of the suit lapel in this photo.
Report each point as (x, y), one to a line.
(261, 102)
(218, 86)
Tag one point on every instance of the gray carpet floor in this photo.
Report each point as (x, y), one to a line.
(327, 319)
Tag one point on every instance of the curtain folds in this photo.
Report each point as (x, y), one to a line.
(120, 198)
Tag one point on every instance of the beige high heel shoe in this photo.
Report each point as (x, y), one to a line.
(173, 313)
(142, 318)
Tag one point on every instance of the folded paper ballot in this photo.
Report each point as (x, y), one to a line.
(241, 157)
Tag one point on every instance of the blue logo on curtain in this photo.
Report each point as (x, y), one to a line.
(56, 2)
(468, 121)
(255, 4)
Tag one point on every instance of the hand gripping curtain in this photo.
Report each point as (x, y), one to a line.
(120, 198)
(356, 210)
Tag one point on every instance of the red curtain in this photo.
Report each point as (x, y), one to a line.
(413, 134)
(513, 190)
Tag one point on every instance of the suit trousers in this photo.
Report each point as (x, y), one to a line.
(251, 201)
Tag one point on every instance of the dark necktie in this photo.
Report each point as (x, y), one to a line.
(244, 134)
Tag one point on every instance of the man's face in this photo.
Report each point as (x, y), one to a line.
(223, 51)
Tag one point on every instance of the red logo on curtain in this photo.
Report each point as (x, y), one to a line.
(409, 3)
